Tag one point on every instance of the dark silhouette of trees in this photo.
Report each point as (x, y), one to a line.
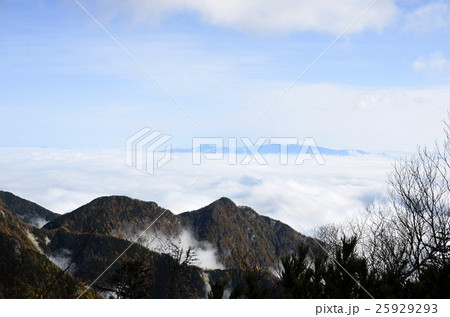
(133, 279)
(179, 265)
(218, 288)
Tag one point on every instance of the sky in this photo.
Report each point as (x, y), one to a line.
(351, 74)
(66, 83)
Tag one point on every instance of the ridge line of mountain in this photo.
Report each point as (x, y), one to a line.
(236, 234)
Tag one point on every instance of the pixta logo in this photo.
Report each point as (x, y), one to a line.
(144, 150)
(227, 149)
(148, 150)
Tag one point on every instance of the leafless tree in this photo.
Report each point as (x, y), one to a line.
(329, 235)
(410, 231)
(419, 193)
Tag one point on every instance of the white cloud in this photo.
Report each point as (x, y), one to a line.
(432, 16)
(264, 16)
(434, 62)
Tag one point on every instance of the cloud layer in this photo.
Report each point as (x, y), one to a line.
(303, 196)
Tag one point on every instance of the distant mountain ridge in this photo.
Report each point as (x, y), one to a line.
(292, 149)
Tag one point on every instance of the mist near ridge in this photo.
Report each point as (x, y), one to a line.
(205, 254)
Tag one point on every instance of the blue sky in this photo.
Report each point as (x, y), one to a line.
(384, 86)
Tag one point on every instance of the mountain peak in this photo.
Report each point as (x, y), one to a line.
(235, 231)
(111, 215)
(102, 199)
(224, 201)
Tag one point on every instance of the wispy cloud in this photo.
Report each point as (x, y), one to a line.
(262, 16)
(431, 16)
(433, 62)
(63, 259)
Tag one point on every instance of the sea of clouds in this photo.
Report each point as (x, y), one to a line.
(303, 196)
